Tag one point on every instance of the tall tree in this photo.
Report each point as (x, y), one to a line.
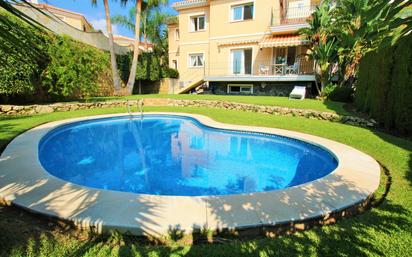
(132, 75)
(323, 45)
(115, 73)
(362, 26)
(343, 31)
(142, 13)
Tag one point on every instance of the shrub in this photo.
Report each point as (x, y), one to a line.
(54, 67)
(73, 69)
(148, 67)
(341, 94)
(20, 68)
(384, 86)
(326, 90)
(171, 73)
(123, 64)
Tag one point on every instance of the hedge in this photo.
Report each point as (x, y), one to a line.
(384, 86)
(52, 67)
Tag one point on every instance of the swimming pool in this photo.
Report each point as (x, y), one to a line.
(172, 155)
(196, 173)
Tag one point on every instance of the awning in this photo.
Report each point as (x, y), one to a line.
(238, 42)
(282, 41)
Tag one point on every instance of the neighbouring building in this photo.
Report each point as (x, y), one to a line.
(240, 46)
(128, 42)
(73, 19)
(65, 22)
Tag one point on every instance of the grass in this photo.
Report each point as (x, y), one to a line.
(324, 106)
(382, 231)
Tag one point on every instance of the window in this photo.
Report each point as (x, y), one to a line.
(242, 61)
(197, 23)
(195, 60)
(242, 12)
(285, 55)
(177, 34)
(240, 89)
(174, 64)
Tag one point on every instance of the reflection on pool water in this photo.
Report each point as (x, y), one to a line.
(175, 155)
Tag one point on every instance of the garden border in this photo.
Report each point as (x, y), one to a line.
(266, 109)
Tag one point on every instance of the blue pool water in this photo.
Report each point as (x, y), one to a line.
(174, 155)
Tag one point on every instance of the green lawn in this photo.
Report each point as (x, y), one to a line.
(324, 106)
(382, 231)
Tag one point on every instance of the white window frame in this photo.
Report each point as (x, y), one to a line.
(229, 86)
(243, 3)
(191, 22)
(242, 68)
(189, 64)
(177, 34)
(177, 64)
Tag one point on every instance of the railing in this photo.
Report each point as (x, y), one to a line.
(292, 15)
(298, 68)
(225, 69)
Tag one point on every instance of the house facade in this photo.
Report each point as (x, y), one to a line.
(240, 46)
(65, 22)
(73, 19)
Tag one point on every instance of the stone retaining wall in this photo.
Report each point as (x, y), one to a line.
(273, 110)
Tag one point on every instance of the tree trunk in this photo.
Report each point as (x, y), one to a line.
(144, 32)
(115, 74)
(132, 76)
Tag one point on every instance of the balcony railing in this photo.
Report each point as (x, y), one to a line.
(300, 67)
(291, 15)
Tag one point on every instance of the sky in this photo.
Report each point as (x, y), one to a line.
(95, 14)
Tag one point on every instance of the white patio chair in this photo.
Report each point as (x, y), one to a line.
(263, 69)
(293, 69)
(298, 92)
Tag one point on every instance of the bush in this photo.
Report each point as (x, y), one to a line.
(73, 69)
(341, 94)
(328, 89)
(171, 73)
(123, 64)
(20, 68)
(52, 68)
(384, 86)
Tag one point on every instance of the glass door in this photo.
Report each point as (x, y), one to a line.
(242, 61)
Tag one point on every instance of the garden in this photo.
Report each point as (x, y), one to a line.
(364, 60)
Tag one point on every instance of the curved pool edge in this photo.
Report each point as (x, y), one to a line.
(25, 183)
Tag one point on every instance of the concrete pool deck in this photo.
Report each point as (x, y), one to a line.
(25, 183)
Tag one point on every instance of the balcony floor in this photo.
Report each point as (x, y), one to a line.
(262, 78)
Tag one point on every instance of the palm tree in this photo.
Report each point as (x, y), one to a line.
(365, 25)
(323, 45)
(152, 22)
(132, 75)
(115, 73)
(140, 15)
(343, 33)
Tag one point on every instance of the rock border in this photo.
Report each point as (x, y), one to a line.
(265, 109)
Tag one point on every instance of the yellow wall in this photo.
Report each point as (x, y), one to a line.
(73, 20)
(222, 26)
(220, 30)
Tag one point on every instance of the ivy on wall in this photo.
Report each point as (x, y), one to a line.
(60, 68)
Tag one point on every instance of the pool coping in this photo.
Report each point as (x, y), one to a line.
(25, 183)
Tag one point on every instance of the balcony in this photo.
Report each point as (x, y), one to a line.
(299, 67)
(299, 70)
(290, 19)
